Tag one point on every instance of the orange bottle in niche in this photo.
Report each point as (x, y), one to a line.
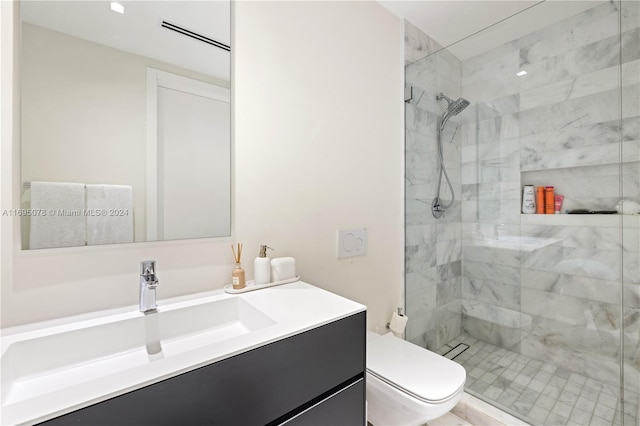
(540, 200)
(549, 200)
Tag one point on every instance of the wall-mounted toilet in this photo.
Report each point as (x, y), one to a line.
(409, 385)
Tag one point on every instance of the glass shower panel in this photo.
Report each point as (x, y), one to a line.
(630, 171)
(538, 297)
(433, 246)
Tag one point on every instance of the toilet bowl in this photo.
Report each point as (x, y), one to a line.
(409, 385)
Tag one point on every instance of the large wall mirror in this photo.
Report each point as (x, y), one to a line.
(125, 132)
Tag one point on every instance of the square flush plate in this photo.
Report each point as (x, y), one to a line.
(351, 242)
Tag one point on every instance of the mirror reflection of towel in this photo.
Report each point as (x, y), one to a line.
(62, 223)
(109, 214)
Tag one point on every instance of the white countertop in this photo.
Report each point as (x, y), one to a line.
(293, 308)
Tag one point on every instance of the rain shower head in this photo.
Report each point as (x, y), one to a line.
(456, 107)
(453, 107)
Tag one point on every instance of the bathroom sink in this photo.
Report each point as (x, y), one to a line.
(93, 349)
(71, 357)
(52, 368)
(183, 329)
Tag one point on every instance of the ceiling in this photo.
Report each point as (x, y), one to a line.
(447, 22)
(139, 29)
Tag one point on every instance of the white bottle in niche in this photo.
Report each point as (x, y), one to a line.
(262, 267)
(528, 200)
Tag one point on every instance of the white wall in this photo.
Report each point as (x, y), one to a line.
(318, 146)
(319, 141)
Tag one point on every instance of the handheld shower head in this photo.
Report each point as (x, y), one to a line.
(456, 107)
(453, 107)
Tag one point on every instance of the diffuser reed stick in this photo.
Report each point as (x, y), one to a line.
(238, 273)
(237, 255)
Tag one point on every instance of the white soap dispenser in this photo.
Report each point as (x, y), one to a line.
(262, 267)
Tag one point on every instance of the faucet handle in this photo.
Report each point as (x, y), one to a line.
(148, 267)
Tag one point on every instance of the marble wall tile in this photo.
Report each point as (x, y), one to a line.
(487, 271)
(571, 88)
(630, 11)
(492, 292)
(420, 257)
(422, 122)
(470, 192)
(597, 108)
(583, 60)
(572, 285)
(495, 256)
(417, 212)
(449, 291)
(450, 270)
(470, 173)
(417, 44)
(447, 330)
(421, 280)
(421, 167)
(601, 238)
(571, 310)
(419, 234)
(422, 301)
(417, 326)
(499, 60)
(590, 26)
(447, 320)
(424, 98)
(631, 295)
(492, 191)
(448, 231)
(491, 332)
(448, 251)
(492, 87)
(494, 314)
(433, 247)
(450, 67)
(579, 157)
(631, 267)
(632, 349)
(605, 133)
(495, 108)
(601, 264)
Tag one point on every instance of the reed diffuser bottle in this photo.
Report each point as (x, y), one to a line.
(238, 279)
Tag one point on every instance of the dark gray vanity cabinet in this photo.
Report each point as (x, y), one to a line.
(312, 378)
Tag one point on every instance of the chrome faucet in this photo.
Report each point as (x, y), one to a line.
(148, 284)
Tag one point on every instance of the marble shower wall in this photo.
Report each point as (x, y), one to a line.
(433, 265)
(555, 294)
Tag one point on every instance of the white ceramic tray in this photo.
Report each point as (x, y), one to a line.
(251, 287)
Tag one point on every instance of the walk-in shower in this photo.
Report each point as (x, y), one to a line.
(542, 310)
(453, 108)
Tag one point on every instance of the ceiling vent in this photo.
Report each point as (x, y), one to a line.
(196, 36)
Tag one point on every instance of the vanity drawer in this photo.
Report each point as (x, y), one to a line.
(268, 384)
(343, 408)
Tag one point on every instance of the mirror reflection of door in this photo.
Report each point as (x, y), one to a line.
(188, 158)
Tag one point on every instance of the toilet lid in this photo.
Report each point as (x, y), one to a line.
(417, 371)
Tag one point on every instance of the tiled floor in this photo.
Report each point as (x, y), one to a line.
(539, 393)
